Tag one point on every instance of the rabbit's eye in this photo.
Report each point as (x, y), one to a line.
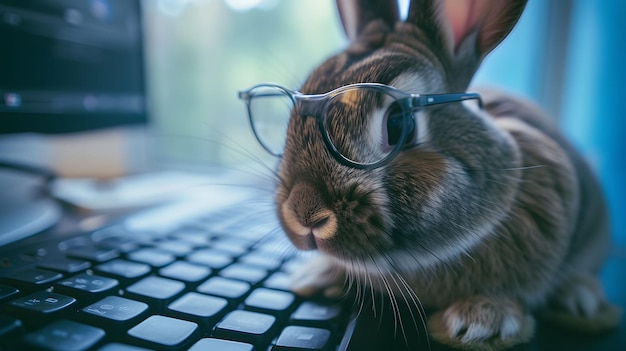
(393, 125)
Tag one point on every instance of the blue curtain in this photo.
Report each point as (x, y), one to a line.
(594, 99)
(570, 57)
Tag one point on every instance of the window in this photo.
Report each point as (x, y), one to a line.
(201, 53)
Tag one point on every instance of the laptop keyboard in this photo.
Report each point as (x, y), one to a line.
(211, 283)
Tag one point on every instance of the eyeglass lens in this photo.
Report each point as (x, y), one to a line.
(365, 125)
(270, 108)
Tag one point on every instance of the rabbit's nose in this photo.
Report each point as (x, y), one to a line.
(306, 215)
(325, 227)
(320, 223)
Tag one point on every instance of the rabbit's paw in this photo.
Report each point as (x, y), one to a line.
(319, 276)
(579, 304)
(482, 323)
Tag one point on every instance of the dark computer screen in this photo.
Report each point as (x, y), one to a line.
(70, 65)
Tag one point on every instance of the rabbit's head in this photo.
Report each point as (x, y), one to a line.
(447, 175)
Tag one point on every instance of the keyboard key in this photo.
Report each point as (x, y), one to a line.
(211, 258)
(315, 314)
(92, 253)
(210, 344)
(71, 243)
(278, 281)
(124, 234)
(276, 246)
(115, 313)
(263, 260)
(196, 237)
(121, 347)
(11, 329)
(202, 309)
(65, 335)
(154, 257)
(186, 272)
(251, 233)
(235, 247)
(40, 307)
(164, 333)
(115, 231)
(232, 290)
(87, 288)
(123, 244)
(8, 292)
(246, 326)
(65, 265)
(295, 338)
(273, 302)
(293, 265)
(247, 273)
(124, 271)
(32, 279)
(177, 248)
(298, 261)
(156, 291)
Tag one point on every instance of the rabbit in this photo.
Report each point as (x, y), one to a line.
(485, 216)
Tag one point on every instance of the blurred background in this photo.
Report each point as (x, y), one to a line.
(200, 53)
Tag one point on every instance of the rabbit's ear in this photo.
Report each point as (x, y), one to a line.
(469, 29)
(356, 14)
(491, 20)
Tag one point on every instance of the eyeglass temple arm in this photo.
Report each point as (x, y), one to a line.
(245, 95)
(436, 99)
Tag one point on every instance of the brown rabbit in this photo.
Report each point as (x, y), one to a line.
(484, 215)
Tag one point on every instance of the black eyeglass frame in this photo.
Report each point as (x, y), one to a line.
(307, 106)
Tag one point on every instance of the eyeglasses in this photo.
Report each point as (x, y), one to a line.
(363, 125)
